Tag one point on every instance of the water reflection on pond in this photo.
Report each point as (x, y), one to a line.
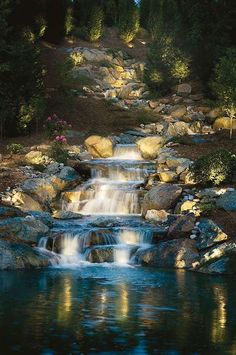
(116, 310)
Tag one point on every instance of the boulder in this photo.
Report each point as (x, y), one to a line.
(153, 104)
(214, 113)
(37, 158)
(178, 111)
(150, 146)
(99, 147)
(40, 189)
(180, 254)
(184, 89)
(178, 129)
(126, 90)
(20, 256)
(66, 215)
(26, 202)
(224, 123)
(220, 259)
(227, 201)
(161, 197)
(187, 206)
(10, 211)
(27, 229)
(182, 226)
(168, 176)
(67, 178)
(155, 216)
(100, 254)
(208, 234)
(43, 217)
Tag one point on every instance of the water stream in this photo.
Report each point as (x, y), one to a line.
(113, 192)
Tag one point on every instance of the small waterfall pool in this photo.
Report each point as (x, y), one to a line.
(105, 309)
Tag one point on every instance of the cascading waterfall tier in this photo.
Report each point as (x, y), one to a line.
(114, 189)
(114, 186)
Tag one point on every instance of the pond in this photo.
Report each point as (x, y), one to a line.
(111, 309)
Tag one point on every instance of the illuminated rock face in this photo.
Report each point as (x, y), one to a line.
(99, 147)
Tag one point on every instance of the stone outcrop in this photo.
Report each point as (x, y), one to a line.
(27, 229)
(208, 234)
(99, 147)
(180, 254)
(150, 146)
(161, 197)
(15, 256)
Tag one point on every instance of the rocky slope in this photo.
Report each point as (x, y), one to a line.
(169, 197)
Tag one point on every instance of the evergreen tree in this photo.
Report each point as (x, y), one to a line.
(21, 94)
(95, 24)
(128, 20)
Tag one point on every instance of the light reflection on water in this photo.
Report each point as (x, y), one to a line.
(116, 310)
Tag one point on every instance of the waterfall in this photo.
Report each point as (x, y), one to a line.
(43, 242)
(112, 190)
(126, 152)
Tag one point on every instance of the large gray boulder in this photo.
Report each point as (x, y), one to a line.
(28, 229)
(40, 189)
(161, 197)
(67, 178)
(26, 202)
(10, 211)
(182, 226)
(227, 201)
(20, 256)
(99, 147)
(150, 146)
(220, 259)
(208, 234)
(180, 253)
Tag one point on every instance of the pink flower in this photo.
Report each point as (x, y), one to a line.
(49, 118)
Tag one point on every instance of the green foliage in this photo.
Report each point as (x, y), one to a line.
(166, 65)
(21, 77)
(56, 127)
(69, 21)
(15, 148)
(224, 82)
(214, 168)
(95, 24)
(207, 208)
(128, 21)
(58, 150)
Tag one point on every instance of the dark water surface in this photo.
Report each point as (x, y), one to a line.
(116, 310)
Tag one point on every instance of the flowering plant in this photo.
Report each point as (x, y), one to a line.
(58, 149)
(55, 126)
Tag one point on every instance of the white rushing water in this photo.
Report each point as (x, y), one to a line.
(112, 190)
(126, 152)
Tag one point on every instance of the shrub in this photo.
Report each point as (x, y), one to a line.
(95, 25)
(166, 65)
(129, 25)
(224, 84)
(214, 168)
(55, 126)
(15, 148)
(58, 150)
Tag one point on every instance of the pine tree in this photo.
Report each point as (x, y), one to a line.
(128, 20)
(95, 24)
